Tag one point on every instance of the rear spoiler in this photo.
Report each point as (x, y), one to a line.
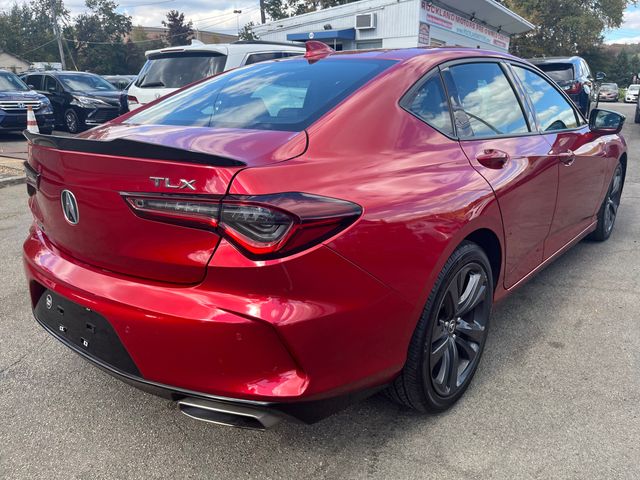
(124, 147)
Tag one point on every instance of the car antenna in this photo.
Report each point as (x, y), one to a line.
(317, 50)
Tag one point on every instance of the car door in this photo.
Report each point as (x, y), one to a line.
(497, 134)
(53, 90)
(34, 82)
(581, 158)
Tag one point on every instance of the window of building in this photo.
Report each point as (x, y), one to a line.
(368, 44)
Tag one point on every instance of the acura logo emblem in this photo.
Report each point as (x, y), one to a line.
(69, 207)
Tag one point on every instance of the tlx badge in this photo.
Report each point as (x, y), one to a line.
(166, 182)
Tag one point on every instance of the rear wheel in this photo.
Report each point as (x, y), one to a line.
(609, 208)
(449, 339)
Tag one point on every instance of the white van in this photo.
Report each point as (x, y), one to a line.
(168, 69)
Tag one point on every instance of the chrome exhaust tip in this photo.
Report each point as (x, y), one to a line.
(226, 414)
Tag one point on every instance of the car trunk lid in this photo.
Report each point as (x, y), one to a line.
(100, 166)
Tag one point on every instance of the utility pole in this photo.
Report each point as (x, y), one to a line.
(238, 12)
(262, 17)
(56, 32)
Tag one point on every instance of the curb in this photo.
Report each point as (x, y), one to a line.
(17, 180)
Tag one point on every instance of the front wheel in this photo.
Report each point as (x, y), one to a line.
(449, 339)
(72, 121)
(609, 208)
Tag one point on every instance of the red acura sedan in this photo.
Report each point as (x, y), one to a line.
(286, 238)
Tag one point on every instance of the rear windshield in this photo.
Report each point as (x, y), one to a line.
(560, 72)
(11, 83)
(175, 70)
(283, 95)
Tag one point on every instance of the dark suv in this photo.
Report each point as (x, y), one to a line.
(79, 99)
(15, 97)
(574, 76)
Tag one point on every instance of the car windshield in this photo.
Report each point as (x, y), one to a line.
(84, 82)
(11, 83)
(282, 95)
(634, 88)
(560, 72)
(175, 70)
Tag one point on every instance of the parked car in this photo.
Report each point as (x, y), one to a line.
(168, 69)
(608, 92)
(286, 238)
(79, 99)
(631, 95)
(119, 81)
(15, 97)
(124, 93)
(574, 76)
(637, 113)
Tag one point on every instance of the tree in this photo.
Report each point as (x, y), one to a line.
(98, 36)
(247, 32)
(635, 68)
(179, 32)
(565, 28)
(621, 69)
(279, 9)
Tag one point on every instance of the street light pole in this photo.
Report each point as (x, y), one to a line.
(238, 12)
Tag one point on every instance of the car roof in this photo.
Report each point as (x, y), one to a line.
(230, 48)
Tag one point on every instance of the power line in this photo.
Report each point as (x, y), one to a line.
(38, 47)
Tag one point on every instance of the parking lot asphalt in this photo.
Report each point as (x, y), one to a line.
(557, 394)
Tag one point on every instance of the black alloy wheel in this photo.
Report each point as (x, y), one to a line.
(449, 338)
(609, 209)
(71, 120)
(460, 329)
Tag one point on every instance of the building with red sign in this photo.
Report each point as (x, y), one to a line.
(402, 23)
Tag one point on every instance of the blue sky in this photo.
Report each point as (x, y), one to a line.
(629, 31)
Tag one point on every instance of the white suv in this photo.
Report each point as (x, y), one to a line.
(168, 69)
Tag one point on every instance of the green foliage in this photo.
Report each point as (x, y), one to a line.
(247, 32)
(278, 9)
(179, 32)
(98, 37)
(565, 27)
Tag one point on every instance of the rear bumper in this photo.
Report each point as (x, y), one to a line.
(186, 341)
(18, 120)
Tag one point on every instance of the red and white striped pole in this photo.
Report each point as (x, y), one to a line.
(32, 123)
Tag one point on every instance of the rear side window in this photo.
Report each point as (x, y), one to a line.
(552, 110)
(429, 103)
(270, 96)
(175, 70)
(560, 72)
(484, 103)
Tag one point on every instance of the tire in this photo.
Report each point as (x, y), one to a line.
(426, 382)
(72, 121)
(609, 208)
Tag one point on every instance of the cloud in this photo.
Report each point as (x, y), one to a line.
(626, 40)
(210, 15)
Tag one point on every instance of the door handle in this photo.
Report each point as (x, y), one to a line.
(567, 158)
(492, 158)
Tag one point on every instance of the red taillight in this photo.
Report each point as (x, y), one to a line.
(573, 88)
(264, 226)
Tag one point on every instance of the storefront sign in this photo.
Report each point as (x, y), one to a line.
(447, 20)
(423, 35)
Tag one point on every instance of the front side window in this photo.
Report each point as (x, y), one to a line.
(429, 103)
(269, 96)
(484, 103)
(552, 110)
(50, 84)
(35, 81)
(177, 69)
(11, 83)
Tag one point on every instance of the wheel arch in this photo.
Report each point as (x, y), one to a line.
(490, 243)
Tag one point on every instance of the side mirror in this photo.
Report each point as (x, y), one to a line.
(600, 76)
(605, 122)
